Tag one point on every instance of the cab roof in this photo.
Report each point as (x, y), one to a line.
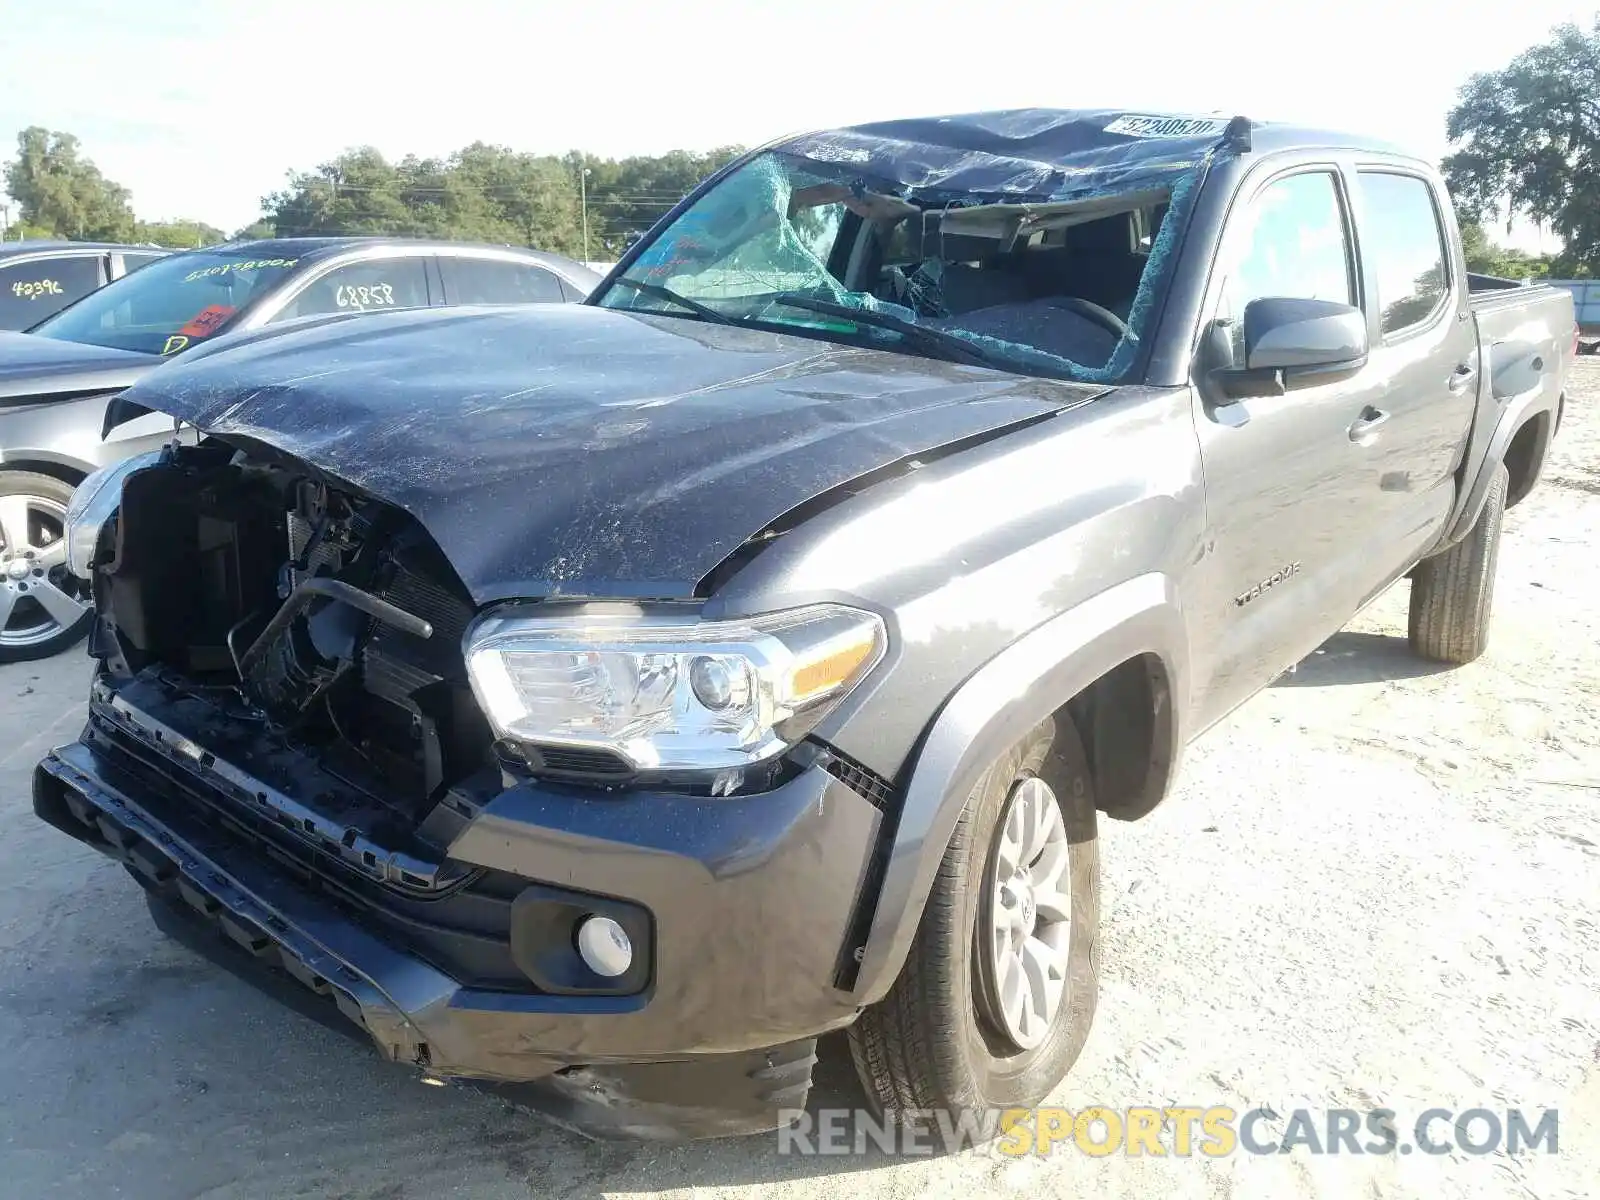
(45, 245)
(1053, 153)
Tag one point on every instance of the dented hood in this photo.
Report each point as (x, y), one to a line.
(572, 450)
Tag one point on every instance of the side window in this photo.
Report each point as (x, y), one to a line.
(373, 285)
(41, 287)
(1297, 245)
(133, 260)
(497, 281)
(1401, 225)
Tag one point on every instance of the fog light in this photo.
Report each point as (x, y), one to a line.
(604, 946)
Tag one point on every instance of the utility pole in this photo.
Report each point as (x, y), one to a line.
(5, 221)
(583, 193)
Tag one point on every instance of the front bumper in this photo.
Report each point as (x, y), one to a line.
(750, 902)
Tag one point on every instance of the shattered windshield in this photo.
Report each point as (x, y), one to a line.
(1038, 284)
(171, 304)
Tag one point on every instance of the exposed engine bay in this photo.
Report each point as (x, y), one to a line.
(303, 613)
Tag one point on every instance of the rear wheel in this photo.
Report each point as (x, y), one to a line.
(43, 607)
(1452, 593)
(997, 996)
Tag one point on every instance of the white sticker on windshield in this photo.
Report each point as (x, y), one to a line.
(1166, 127)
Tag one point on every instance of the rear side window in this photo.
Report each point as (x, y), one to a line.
(496, 281)
(1296, 246)
(132, 261)
(1401, 225)
(372, 285)
(41, 287)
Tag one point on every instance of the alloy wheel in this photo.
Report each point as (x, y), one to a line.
(39, 597)
(1026, 923)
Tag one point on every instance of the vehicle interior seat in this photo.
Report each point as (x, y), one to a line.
(1099, 261)
(1004, 296)
(1022, 297)
(975, 277)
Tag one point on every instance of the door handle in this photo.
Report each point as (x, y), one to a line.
(1462, 377)
(1365, 428)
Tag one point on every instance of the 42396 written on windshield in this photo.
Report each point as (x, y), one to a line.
(34, 288)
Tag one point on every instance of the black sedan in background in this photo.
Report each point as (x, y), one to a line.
(40, 278)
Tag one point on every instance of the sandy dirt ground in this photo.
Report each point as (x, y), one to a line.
(1377, 886)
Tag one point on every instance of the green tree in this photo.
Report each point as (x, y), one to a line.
(179, 235)
(1487, 258)
(254, 230)
(628, 196)
(1529, 142)
(63, 193)
(356, 193)
(534, 199)
(492, 194)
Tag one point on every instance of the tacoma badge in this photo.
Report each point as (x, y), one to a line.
(1272, 580)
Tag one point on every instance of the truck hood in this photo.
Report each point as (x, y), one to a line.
(34, 369)
(573, 450)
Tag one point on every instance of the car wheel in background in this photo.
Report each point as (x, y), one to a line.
(997, 995)
(44, 608)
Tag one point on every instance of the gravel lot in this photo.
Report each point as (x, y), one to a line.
(1379, 885)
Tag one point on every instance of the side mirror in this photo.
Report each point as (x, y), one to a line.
(1287, 341)
(1285, 334)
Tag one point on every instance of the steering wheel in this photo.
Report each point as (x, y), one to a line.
(1091, 311)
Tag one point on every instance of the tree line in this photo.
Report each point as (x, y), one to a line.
(574, 204)
(493, 194)
(1526, 138)
(62, 194)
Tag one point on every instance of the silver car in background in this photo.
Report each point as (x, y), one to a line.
(38, 278)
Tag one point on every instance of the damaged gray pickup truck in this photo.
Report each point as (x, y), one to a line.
(617, 697)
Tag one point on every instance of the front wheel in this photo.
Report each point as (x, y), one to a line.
(43, 607)
(996, 998)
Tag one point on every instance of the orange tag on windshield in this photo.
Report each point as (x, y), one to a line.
(205, 322)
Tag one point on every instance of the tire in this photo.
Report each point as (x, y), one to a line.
(43, 609)
(936, 1041)
(1452, 593)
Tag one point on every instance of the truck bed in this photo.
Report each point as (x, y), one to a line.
(1526, 335)
(1489, 292)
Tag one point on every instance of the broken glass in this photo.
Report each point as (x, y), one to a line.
(1040, 241)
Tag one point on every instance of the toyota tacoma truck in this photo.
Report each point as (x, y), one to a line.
(615, 698)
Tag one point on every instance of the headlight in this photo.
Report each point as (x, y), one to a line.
(91, 506)
(670, 692)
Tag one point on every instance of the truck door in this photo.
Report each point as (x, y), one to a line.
(1288, 510)
(1424, 353)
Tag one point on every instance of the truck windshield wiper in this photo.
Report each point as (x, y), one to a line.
(672, 297)
(949, 346)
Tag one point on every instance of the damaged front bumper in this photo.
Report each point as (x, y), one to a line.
(741, 910)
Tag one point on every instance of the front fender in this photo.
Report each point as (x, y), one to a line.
(24, 458)
(1013, 692)
(61, 434)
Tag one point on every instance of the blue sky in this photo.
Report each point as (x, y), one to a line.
(201, 109)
